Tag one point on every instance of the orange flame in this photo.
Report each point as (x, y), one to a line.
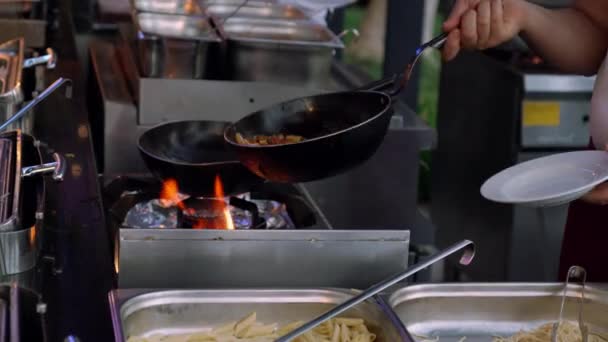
(219, 194)
(169, 195)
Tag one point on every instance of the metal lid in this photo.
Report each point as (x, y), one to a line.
(303, 33)
(156, 25)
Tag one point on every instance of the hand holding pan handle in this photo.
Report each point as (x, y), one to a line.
(397, 82)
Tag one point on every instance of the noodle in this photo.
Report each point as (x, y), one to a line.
(248, 330)
(567, 332)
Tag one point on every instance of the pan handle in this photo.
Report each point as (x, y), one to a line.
(394, 84)
(383, 85)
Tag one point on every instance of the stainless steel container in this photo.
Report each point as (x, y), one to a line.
(187, 7)
(18, 251)
(174, 46)
(149, 312)
(18, 243)
(282, 51)
(481, 311)
(253, 9)
(23, 202)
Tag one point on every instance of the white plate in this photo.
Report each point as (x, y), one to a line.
(548, 181)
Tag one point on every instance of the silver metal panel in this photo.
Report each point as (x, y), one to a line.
(380, 193)
(121, 155)
(148, 312)
(537, 83)
(572, 130)
(481, 311)
(229, 259)
(533, 227)
(120, 129)
(167, 99)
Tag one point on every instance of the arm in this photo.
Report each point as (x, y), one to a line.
(574, 39)
(577, 43)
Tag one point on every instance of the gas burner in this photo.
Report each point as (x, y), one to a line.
(240, 213)
(144, 203)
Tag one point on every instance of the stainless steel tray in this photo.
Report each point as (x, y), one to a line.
(188, 7)
(256, 10)
(176, 26)
(481, 311)
(149, 312)
(280, 51)
(175, 46)
(281, 32)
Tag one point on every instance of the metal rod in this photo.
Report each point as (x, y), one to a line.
(57, 168)
(467, 257)
(50, 59)
(28, 107)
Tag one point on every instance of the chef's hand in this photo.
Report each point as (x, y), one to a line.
(482, 24)
(597, 196)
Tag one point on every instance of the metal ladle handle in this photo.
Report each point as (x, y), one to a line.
(48, 91)
(50, 59)
(57, 167)
(467, 257)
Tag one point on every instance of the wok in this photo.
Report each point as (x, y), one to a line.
(194, 153)
(341, 130)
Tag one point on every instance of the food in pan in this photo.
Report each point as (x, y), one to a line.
(567, 332)
(275, 139)
(249, 330)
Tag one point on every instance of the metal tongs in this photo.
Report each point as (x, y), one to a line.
(581, 274)
(467, 257)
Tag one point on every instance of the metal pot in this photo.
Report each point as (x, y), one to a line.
(22, 204)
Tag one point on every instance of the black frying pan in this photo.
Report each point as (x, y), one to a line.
(193, 153)
(341, 130)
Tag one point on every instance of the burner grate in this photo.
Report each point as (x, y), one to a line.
(246, 213)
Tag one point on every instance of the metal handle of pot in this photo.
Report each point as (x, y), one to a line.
(467, 257)
(58, 168)
(50, 59)
(28, 107)
(352, 31)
